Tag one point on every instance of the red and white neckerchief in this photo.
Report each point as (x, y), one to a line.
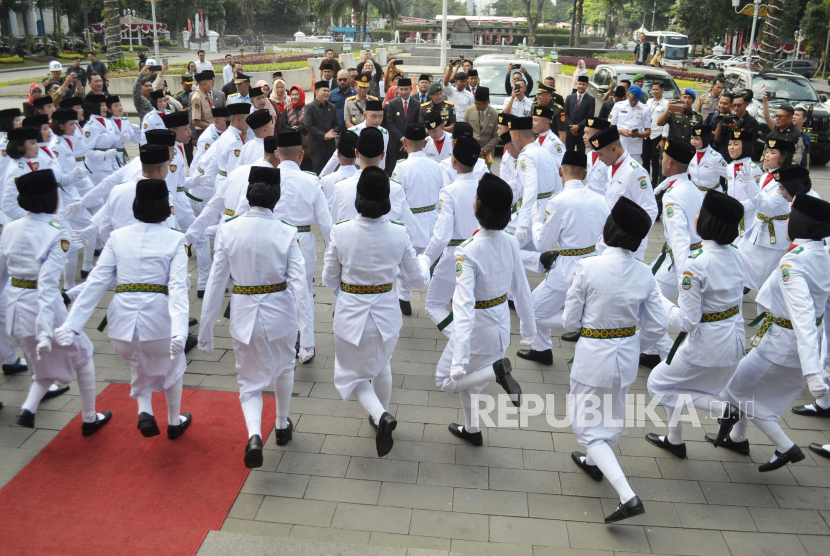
(440, 143)
(616, 167)
(595, 156)
(181, 149)
(242, 136)
(31, 166)
(102, 121)
(47, 151)
(162, 114)
(700, 155)
(767, 179)
(68, 142)
(738, 166)
(117, 122)
(542, 139)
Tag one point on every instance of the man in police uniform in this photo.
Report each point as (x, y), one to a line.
(355, 106)
(545, 98)
(445, 107)
(243, 85)
(680, 117)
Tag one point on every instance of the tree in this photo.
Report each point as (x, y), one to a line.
(428, 9)
(393, 9)
(249, 7)
(534, 10)
(815, 26)
(175, 13)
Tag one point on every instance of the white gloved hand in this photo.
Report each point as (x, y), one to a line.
(457, 372)
(206, 347)
(177, 345)
(110, 154)
(527, 339)
(818, 387)
(305, 354)
(64, 335)
(126, 138)
(44, 347)
(79, 173)
(521, 235)
(73, 210)
(86, 235)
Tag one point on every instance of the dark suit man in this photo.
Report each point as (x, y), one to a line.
(483, 118)
(579, 106)
(321, 124)
(400, 112)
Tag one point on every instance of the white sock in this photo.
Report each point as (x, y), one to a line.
(145, 403)
(252, 410)
(675, 435)
(69, 270)
(824, 401)
(283, 389)
(368, 400)
(382, 384)
(588, 460)
(37, 390)
(476, 378)
(467, 404)
(774, 432)
(738, 433)
(174, 403)
(86, 384)
(607, 463)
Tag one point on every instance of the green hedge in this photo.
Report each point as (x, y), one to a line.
(11, 60)
(165, 42)
(136, 48)
(378, 34)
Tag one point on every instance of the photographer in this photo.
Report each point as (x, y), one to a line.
(744, 121)
(512, 72)
(782, 127)
(718, 120)
(517, 103)
(680, 117)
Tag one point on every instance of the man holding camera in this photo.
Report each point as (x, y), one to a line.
(517, 103)
(741, 120)
(680, 117)
(514, 72)
(717, 121)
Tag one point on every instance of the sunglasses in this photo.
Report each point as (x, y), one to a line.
(342, 78)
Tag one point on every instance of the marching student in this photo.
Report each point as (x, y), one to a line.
(626, 178)
(610, 295)
(121, 129)
(480, 168)
(9, 120)
(573, 220)
(487, 266)
(421, 179)
(374, 117)
(236, 187)
(33, 255)
(346, 156)
(708, 314)
(741, 169)
(98, 139)
(507, 172)
(437, 146)
(787, 354)
(765, 240)
(542, 116)
(707, 167)
(152, 119)
(259, 127)
(227, 148)
(597, 179)
(147, 318)
(206, 139)
(270, 302)
(362, 260)
(456, 222)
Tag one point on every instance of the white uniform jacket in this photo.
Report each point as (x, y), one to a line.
(707, 168)
(612, 292)
(553, 145)
(228, 150)
(21, 166)
(334, 160)
(207, 138)
(151, 120)
(432, 151)
(456, 222)
(681, 203)
(487, 267)
(118, 213)
(98, 139)
(176, 179)
(259, 253)
(253, 150)
(422, 180)
(627, 178)
(539, 175)
(327, 181)
(345, 192)
(367, 252)
(235, 193)
(597, 179)
(767, 200)
(631, 118)
(737, 172)
(118, 127)
(450, 173)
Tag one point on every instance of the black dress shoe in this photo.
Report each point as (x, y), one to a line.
(85, 273)
(175, 431)
(62, 389)
(632, 508)
(372, 423)
(663, 442)
(544, 357)
(819, 449)
(792, 455)
(473, 438)
(571, 336)
(504, 379)
(811, 410)
(192, 322)
(592, 470)
(200, 294)
(406, 308)
(746, 291)
(383, 436)
(18, 366)
(67, 301)
(91, 428)
(284, 435)
(147, 425)
(726, 422)
(1, 405)
(511, 305)
(97, 253)
(190, 343)
(649, 360)
(741, 447)
(253, 452)
(26, 419)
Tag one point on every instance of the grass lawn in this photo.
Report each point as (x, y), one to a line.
(24, 64)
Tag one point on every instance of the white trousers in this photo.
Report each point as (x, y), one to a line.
(151, 368)
(598, 413)
(548, 301)
(260, 362)
(763, 389)
(202, 249)
(362, 362)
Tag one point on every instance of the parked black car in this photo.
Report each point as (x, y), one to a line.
(606, 73)
(792, 89)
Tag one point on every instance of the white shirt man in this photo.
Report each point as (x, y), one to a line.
(632, 118)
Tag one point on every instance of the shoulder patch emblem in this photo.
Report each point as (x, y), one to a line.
(145, 127)
(55, 225)
(797, 250)
(695, 254)
(86, 133)
(398, 222)
(785, 272)
(523, 165)
(670, 210)
(236, 152)
(643, 183)
(173, 168)
(207, 146)
(458, 268)
(466, 242)
(65, 245)
(634, 164)
(686, 283)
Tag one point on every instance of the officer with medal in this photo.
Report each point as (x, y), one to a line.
(201, 101)
(438, 104)
(243, 85)
(355, 106)
(546, 97)
(680, 117)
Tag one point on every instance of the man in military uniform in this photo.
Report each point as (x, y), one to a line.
(782, 128)
(243, 85)
(355, 106)
(183, 97)
(545, 98)
(680, 117)
(708, 102)
(445, 107)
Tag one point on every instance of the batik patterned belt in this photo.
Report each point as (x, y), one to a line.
(706, 317)
(490, 303)
(148, 288)
(24, 283)
(768, 220)
(769, 320)
(79, 159)
(547, 195)
(706, 188)
(221, 173)
(607, 333)
(255, 290)
(421, 210)
(121, 150)
(455, 242)
(180, 190)
(742, 227)
(382, 288)
(229, 212)
(306, 228)
(577, 252)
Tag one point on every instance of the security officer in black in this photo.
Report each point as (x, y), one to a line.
(681, 124)
(545, 98)
(782, 128)
(437, 102)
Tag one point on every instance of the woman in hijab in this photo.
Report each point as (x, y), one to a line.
(275, 116)
(292, 115)
(278, 99)
(34, 92)
(580, 70)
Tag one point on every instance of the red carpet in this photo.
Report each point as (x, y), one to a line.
(117, 492)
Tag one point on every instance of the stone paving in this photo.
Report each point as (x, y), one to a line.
(518, 494)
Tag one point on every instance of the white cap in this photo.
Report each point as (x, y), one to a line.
(150, 62)
(54, 65)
